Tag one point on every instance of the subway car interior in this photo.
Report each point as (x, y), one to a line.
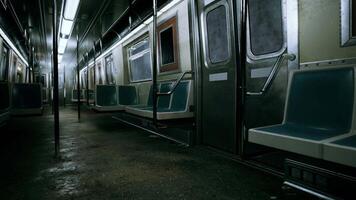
(178, 99)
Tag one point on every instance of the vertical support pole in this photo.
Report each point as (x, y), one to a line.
(78, 76)
(64, 86)
(94, 74)
(55, 80)
(33, 65)
(241, 85)
(87, 80)
(154, 63)
(30, 66)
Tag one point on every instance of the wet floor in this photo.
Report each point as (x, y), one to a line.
(103, 159)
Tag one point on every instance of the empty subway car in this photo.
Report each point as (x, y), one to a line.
(268, 83)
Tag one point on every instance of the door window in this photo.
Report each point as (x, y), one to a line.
(217, 33)
(266, 34)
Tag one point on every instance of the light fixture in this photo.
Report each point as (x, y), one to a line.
(60, 56)
(62, 45)
(66, 27)
(9, 42)
(70, 9)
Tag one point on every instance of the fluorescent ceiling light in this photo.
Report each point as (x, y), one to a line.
(66, 27)
(70, 9)
(62, 45)
(9, 42)
(60, 58)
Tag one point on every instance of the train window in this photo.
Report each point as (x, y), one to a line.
(4, 56)
(167, 40)
(91, 80)
(265, 27)
(139, 58)
(13, 68)
(99, 73)
(109, 69)
(217, 34)
(348, 22)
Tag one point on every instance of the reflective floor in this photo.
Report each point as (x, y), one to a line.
(102, 159)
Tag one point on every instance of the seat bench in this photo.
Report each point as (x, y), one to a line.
(26, 99)
(82, 95)
(319, 109)
(174, 106)
(342, 150)
(114, 97)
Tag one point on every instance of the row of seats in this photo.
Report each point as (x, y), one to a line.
(20, 99)
(319, 119)
(114, 97)
(174, 106)
(83, 95)
(125, 98)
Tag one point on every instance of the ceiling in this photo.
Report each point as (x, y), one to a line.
(95, 20)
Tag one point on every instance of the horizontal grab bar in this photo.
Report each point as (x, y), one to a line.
(273, 74)
(175, 84)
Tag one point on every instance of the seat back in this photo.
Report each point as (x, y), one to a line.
(180, 96)
(321, 99)
(5, 95)
(26, 96)
(91, 94)
(127, 95)
(149, 98)
(75, 95)
(106, 95)
(164, 101)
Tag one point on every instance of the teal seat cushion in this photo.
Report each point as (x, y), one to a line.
(127, 95)
(106, 95)
(296, 130)
(322, 100)
(349, 141)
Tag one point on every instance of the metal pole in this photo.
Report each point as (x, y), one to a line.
(78, 76)
(33, 65)
(154, 63)
(64, 86)
(94, 74)
(87, 81)
(241, 90)
(55, 81)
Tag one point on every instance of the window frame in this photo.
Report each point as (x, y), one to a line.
(7, 61)
(174, 66)
(347, 39)
(129, 56)
(250, 54)
(207, 59)
(109, 73)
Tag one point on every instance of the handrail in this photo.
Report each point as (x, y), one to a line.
(273, 73)
(175, 84)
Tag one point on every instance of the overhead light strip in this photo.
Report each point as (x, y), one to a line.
(68, 17)
(13, 47)
(139, 28)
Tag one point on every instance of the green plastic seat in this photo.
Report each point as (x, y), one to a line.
(319, 107)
